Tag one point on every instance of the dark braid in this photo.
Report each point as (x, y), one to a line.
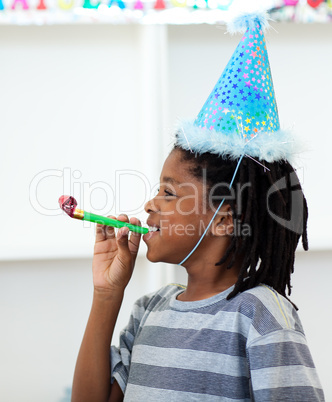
(268, 252)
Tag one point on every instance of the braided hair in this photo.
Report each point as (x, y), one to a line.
(269, 200)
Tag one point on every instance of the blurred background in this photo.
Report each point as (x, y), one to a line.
(89, 100)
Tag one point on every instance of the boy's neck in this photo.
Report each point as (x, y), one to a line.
(205, 282)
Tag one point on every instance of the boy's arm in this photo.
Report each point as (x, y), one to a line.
(281, 368)
(113, 263)
(92, 378)
(116, 393)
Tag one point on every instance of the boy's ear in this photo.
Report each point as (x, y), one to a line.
(223, 224)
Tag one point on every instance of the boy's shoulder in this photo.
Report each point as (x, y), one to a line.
(164, 292)
(149, 300)
(268, 310)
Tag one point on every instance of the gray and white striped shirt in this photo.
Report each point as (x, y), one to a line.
(251, 347)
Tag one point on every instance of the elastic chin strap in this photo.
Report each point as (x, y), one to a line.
(215, 214)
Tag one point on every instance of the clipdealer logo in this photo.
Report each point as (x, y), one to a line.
(70, 183)
(295, 223)
(109, 198)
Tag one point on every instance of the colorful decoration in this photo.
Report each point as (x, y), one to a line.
(291, 2)
(66, 5)
(181, 4)
(225, 5)
(41, 5)
(24, 4)
(138, 5)
(96, 10)
(120, 4)
(88, 4)
(240, 116)
(243, 98)
(314, 3)
(160, 5)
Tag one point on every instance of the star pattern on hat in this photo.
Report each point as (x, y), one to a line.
(243, 100)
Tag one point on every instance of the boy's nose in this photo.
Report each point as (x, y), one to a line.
(150, 206)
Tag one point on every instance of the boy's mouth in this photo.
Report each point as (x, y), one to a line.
(153, 227)
(153, 230)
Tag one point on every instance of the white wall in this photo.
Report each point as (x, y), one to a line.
(76, 111)
(63, 84)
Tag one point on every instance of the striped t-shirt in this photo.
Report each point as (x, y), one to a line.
(251, 347)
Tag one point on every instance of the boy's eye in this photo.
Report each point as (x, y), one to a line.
(168, 193)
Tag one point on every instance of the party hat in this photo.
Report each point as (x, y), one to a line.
(240, 117)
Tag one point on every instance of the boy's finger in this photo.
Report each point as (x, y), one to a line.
(134, 237)
(123, 218)
(104, 232)
(135, 221)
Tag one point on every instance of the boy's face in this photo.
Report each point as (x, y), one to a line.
(181, 213)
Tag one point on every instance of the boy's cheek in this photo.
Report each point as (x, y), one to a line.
(178, 230)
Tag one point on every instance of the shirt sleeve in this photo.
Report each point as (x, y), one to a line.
(120, 357)
(282, 369)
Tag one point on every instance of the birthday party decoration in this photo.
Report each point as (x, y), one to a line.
(315, 3)
(66, 5)
(302, 11)
(23, 3)
(240, 116)
(152, 11)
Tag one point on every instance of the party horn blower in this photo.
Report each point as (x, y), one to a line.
(69, 205)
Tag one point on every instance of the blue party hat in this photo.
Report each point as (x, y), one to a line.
(240, 117)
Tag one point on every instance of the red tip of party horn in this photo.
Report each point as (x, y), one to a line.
(68, 204)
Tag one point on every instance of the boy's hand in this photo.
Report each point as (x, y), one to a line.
(114, 256)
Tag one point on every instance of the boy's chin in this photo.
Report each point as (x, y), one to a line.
(154, 258)
(158, 258)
